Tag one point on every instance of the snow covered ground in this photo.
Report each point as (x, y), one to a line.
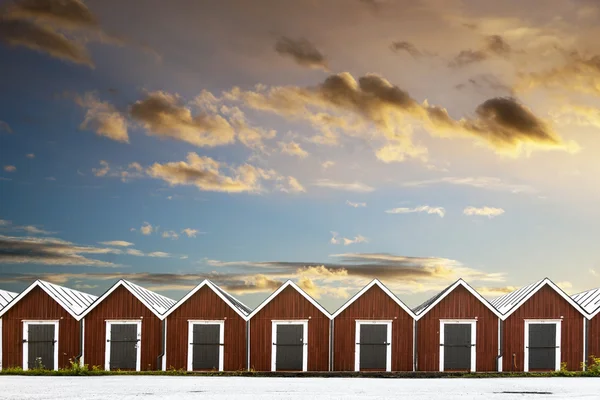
(244, 388)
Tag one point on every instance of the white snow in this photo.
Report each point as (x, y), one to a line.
(252, 388)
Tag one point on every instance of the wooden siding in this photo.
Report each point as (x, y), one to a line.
(37, 305)
(545, 304)
(459, 304)
(593, 338)
(374, 304)
(122, 305)
(206, 305)
(289, 304)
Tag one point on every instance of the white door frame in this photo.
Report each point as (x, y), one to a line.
(473, 323)
(109, 323)
(558, 323)
(190, 355)
(274, 325)
(388, 356)
(26, 324)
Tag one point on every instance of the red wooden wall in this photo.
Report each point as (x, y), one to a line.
(289, 304)
(206, 305)
(545, 304)
(374, 304)
(121, 305)
(594, 338)
(38, 305)
(459, 304)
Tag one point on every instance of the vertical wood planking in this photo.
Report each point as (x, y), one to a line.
(545, 304)
(37, 305)
(459, 304)
(289, 304)
(206, 305)
(374, 304)
(122, 305)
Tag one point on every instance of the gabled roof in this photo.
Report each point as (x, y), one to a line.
(589, 301)
(231, 301)
(427, 306)
(6, 297)
(374, 282)
(281, 289)
(155, 302)
(510, 302)
(73, 301)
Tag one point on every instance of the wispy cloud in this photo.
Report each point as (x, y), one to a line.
(336, 239)
(482, 182)
(30, 229)
(489, 212)
(30, 155)
(5, 127)
(347, 186)
(302, 51)
(420, 209)
(118, 243)
(355, 205)
(10, 168)
(189, 232)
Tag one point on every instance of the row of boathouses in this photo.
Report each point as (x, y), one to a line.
(536, 328)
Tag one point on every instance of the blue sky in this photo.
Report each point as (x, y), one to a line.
(412, 141)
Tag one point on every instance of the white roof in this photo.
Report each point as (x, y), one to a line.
(231, 301)
(510, 302)
(427, 306)
(6, 297)
(281, 289)
(155, 302)
(589, 301)
(374, 282)
(73, 301)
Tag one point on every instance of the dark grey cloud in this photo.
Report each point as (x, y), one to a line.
(66, 13)
(494, 46)
(408, 47)
(42, 38)
(302, 51)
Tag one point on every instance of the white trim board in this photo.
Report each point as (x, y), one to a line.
(374, 282)
(114, 287)
(473, 323)
(109, 323)
(274, 325)
(26, 324)
(558, 323)
(388, 355)
(553, 286)
(449, 290)
(190, 355)
(281, 289)
(212, 287)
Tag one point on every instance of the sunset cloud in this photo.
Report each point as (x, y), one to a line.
(147, 229)
(10, 168)
(346, 186)
(480, 182)
(103, 118)
(164, 115)
(420, 209)
(170, 235)
(65, 13)
(44, 39)
(489, 212)
(189, 232)
(118, 243)
(293, 149)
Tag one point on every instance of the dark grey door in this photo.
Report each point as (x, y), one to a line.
(457, 347)
(123, 346)
(542, 347)
(373, 347)
(40, 346)
(290, 347)
(206, 346)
